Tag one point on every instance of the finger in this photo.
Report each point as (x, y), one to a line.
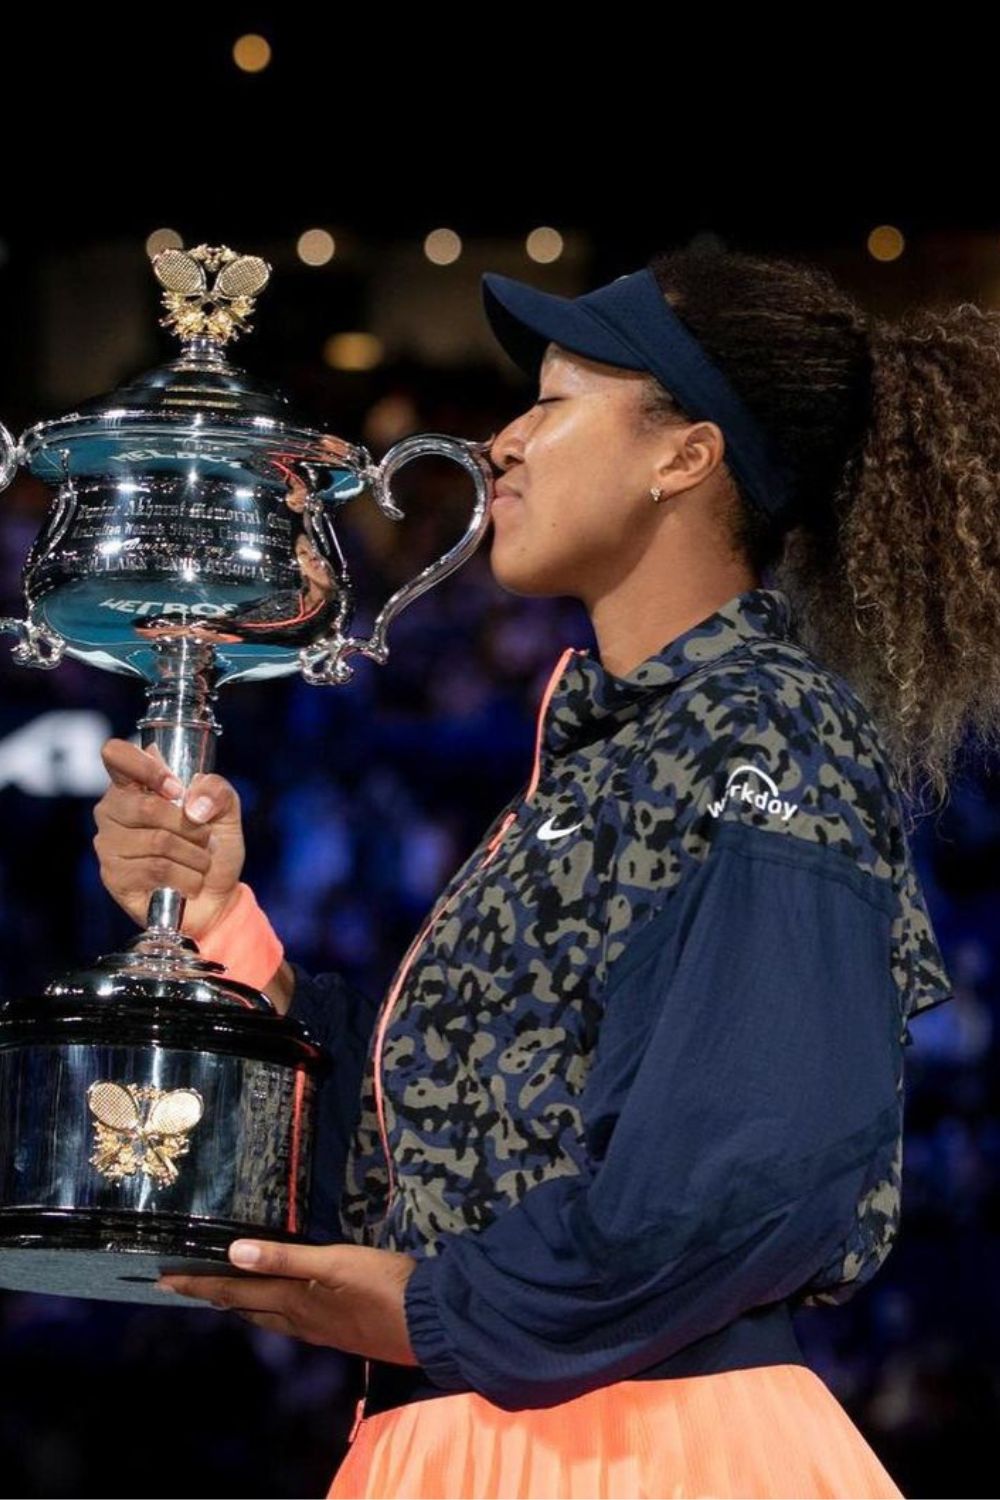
(181, 1284)
(133, 808)
(235, 1292)
(210, 797)
(266, 1258)
(154, 750)
(161, 844)
(150, 873)
(273, 1322)
(130, 765)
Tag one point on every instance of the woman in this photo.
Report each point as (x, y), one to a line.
(635, 1092)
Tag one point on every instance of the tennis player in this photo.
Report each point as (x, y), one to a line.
(635, 1092)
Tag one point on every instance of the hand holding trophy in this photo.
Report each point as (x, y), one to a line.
(152, 1110)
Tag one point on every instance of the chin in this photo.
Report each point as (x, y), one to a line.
(520, 577)
(521, 569)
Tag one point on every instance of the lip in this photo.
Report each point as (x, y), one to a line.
(502, 493)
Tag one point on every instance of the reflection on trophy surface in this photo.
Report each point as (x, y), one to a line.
(153, 1110)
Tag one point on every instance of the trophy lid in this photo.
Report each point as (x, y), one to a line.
(206, 319)
(199, 379)
(196, 398)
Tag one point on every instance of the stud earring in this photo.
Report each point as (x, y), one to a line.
(656, 492)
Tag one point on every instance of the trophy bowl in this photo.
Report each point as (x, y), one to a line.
(152, 1109)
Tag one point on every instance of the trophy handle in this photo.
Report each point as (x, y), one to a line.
(324, 661)
(37, 646)
(9, 457)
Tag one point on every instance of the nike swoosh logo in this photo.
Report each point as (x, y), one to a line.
(548, 832)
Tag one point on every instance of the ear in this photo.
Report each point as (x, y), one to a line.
(690, 455)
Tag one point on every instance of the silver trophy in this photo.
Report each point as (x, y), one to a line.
(151, 1109)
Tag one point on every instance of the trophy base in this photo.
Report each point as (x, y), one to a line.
(80, 1253)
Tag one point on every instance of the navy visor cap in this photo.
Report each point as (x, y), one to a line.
(630, 323)
(525, 320)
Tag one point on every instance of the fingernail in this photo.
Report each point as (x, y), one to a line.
(162, 1286)
(172, 786)
(199, 809)
(244, 1253)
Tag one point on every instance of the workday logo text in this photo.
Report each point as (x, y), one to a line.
(755, 787)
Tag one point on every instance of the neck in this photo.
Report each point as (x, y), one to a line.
(632, 624)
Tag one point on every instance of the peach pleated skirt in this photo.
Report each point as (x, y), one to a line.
(770, 1430)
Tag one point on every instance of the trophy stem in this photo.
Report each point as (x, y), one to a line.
(179, 721)
(162, 959)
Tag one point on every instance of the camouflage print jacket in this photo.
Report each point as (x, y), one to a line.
(636, 1089)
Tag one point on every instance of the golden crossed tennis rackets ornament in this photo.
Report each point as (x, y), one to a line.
(142, 1129)
(220, 311)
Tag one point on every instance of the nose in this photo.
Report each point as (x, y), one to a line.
(507, 447)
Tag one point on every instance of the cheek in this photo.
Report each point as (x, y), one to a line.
(576, 470)
(596, 508)
(575, 512)
(584, 531)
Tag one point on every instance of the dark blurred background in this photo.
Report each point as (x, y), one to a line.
(380, 175)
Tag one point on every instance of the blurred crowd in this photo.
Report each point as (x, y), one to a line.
(359, 801)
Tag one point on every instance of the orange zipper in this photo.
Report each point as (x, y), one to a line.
(386, 1010)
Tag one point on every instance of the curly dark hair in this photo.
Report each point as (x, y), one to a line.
(891, 433)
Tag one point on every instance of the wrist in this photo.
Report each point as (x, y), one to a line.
(216, 922)
(243, 939)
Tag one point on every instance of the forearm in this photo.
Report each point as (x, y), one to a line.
(246, 943)
(754, 1119)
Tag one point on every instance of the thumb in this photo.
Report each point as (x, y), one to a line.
(211, 798)
(305, 1262)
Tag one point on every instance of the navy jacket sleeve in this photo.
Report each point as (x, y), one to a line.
(341, 1018)
(743, 1080)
